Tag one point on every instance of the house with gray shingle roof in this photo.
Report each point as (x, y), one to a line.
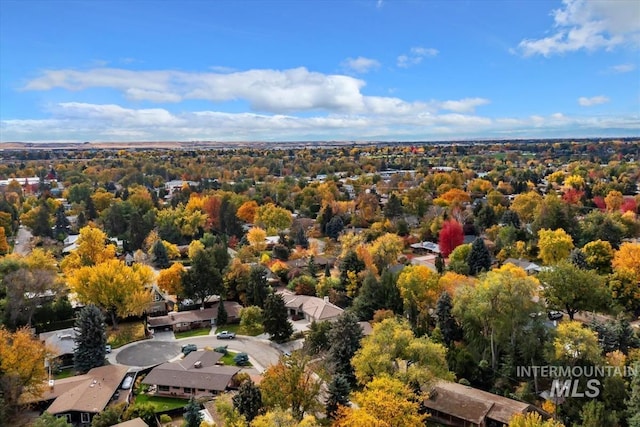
(198, 374)
(311, 308)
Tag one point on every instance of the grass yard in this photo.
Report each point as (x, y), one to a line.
(161, 403)
(227, 359)
(64, 373)
(192, 333)
(126, 333)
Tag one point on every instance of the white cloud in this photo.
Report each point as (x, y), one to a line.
(415, 56)
(588, 25)
(594, 100)
(360, 64)
(91, 122)
(622, 68)
(379, 3)
(464, 105)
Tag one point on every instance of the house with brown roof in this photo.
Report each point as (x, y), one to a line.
(458, 405)
(81, 397)
(199, 374)
(193, 319)
(309, 307)
(136, 422)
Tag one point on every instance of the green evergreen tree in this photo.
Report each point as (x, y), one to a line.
(192, 415)
(344, 341)
(203, 279)
(222, 316)
(160, 256)
(42, 226)
(479, 258)
(339, 390)
(393, 208)
(248, 400)
(312, 267)
(257, 287)
(90, 340)
(317, 339)
(275, 320)
(334, 227)
(446, 323)
(61, 223)
(439, 263)
(633, 403)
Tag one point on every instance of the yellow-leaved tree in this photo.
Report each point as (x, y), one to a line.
(22, 366)
(113, 286)
(170, 279)
(554, 245)
(273, 218)
(257, 238)
(92, 249)
(419, 288)
(385, 401)
(532, 419)
(628, 258)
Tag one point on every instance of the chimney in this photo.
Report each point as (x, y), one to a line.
(326, 300)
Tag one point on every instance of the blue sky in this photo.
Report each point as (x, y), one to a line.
(234, 70)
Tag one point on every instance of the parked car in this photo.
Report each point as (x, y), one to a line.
(188, 348)
(126, 384)
(555, 315)
(226, 335)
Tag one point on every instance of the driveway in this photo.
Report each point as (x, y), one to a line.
(22, 242)
(147, 353)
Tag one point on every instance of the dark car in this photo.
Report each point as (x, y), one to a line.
(188, 348)
(555, 315)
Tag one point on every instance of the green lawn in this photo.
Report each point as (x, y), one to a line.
(235, 328)
(227, 359)
(192, 333)
(161, 403)
(64, 373)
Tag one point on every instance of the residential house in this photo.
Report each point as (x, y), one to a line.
(426, 247)
(62, 344)
(528, 266)
(458, 405)
(80, 398)
(310, 308)
(197, 375)
(162, 303)
(136, 422)
(193, 319)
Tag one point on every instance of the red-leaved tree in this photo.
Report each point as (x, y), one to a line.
(451, 236)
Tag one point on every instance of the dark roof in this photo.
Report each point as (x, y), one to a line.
(232, 307)
(184, 373)
(472, 404)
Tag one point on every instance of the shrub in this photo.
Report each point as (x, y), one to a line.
(241, 359)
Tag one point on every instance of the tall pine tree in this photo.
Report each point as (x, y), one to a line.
(192, 415)
(479, 258)
(339, 390)
(344, 341)
(275, 320)
(160, 256)
(248, 400)
(90, 340)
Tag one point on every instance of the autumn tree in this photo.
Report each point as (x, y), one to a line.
(525, 205)
(275, 318)
(451, 236)
(614, 200)
(257, 238)
(170, 279)
(113, 286)
(628, 258)
(92, 249)
(572, 289)
(385, 250)
(22, 371)
(384, 401)
(575, 343)
(90, 339)
(247, 211)
(532, 419)
(598, 256)
(291, 384)
(494, 312)
(392, 349)
(273, 217)
(4, 246)
(555, 245)
(419, 288)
